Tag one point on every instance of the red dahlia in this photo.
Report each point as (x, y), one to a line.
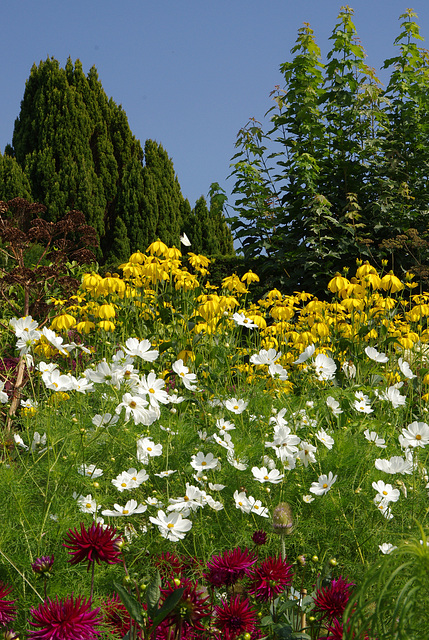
(192, 606)
(115, 615)
(7, 607)
(229, 567)
(235, 618)
(270, 579)
(332, 600)
(66, 619)
(95, 545)
(259, 537)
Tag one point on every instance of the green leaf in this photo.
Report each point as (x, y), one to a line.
(168, 606)
(153, 593)
(133, 607)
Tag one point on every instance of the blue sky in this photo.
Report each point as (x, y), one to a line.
(189, 73)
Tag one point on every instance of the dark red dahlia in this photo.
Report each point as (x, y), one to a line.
(66, 619)
(192, 607)
(331, 601)
(115, 615)
(335, 631)
(43, 565)
(259, 537)
(168, 563)
(235, 618)
(7, 607)
(229, 567)
(97, 544)
(271, 578)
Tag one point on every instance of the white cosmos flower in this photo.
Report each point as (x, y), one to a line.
(173, 527)
(384, 509)
(153, 387)
(236, 406)
(56, 381)
(90, 471)
(241, 502)
(308, 499)
(323, 484)
(385, 492)
(131, 508)
(349, 369)
(142, 349)
(3, 395)
(188, 379)
(103, 374)
(19, 441)
(306, 354)
(224, 425)
(362, 403)
(256, 507)
(325, 367)
(191, 501)
(130, 479)
(226, 442)
(278, 419)
(375, 355)
(263, 475)
(396, 464)
(136, 407)
(392, 395)
(146, 449)
(46, 367)
(276, 371)
(86, 504)
(406, 369)
(23, 326)
(105, 420)
(166, 474)
(241, 321)
(416, 434)
(38, 442)
(306, 453)
(265, 357)
(216, 487)
(56, 341)
(238, 463)
(333, 405)
(374, 438)
(325, 438)
(386, 548)
(201, 462)
(175, 399)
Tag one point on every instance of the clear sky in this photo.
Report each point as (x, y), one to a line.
(189, 73)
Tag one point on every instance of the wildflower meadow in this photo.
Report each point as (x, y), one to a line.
(181, 460)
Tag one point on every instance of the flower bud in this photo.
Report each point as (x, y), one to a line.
(282, 519)
(333, 562)
(43, 565)
(301, 560)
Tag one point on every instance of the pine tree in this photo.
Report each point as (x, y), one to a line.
(13, 182)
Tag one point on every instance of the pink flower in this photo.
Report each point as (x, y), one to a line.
(332, 600)
(229, 567)
(271, 578)
(235, 618)
(66, 619)
(95, 545)
(7, 607)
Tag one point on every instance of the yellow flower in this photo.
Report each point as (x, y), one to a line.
(63, 322)
(338, 283)
(158, 248)
(90, 281)
(198, 261)
(85, 326)
(365, 269)
(106, 325)
(137, 258)
(250, 277)
(106, 311)
(391, 283)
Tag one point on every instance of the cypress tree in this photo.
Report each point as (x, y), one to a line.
(13, 181)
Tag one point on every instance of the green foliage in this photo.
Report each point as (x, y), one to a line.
(342, 169)
(73, 150)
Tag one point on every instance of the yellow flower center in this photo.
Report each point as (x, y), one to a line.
(203, 464)
(170, 525)
(124, 484)
(125, 511)
(151, 390)
(88, 505)
(325, 486)
(418, 436)
(236, 407)
(133, 404)
(149, 448)
(384, 493)
(266, 478)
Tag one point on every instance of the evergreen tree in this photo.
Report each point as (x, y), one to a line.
(13, 182)
(76, 151)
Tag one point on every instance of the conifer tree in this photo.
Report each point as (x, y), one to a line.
(75, 150)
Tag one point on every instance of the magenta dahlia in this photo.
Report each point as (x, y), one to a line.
(66, 619)
(97, 544)
(272, 577)
(331, 601)
(168, 563)
(235, 618)
(229, 567)
(7, 607)
(259, 537)
(192, 607)
(43, 565)
(115, 615)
